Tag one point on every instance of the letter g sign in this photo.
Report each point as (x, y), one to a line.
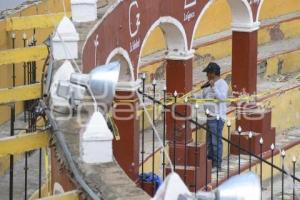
(134, 18)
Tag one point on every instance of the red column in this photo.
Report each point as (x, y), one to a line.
(244, 61)
(244, 79)
(179, 77)
(126, 150)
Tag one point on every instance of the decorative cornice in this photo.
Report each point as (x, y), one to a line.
(180, 55)
(128, 86)
(245, 27)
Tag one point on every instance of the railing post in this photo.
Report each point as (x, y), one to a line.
(24, 37)
(196, 149)
(272, 170)
(218, 150)
(143, 128)
(174, 130)
(207, 150)
(282, 174)
(13, 38)
(185, 140)
(11, 157)
(250, 149)
(294, 174)
(261, 141)
(40, 173)
(164, 133)
(228, 147)
(239, 147)
(153, 134)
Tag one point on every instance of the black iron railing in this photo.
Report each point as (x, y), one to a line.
(253, 158)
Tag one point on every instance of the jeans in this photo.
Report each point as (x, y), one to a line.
(214, 141)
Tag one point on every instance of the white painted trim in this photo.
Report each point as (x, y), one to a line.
(259, 9)
(57, 189)
(128, 86)
(242, 21)
(166, 20)
(245, 27)
(246, 3)
(124, 53)
(242, 27)
(204, 9)
(183, 55)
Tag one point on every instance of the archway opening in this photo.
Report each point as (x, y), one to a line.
(212, 39)
(161, 55)
(126, 69)
(164, 40)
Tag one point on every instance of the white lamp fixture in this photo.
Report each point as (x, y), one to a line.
(96, 141)
(65, 41)
(84, 10)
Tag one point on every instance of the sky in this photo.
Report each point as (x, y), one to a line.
(5, 4)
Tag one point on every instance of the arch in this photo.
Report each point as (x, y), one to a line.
(266, 8)
(174, 33)
(58, 189)
(259, 9)
(120, 54)
(242, 15)
(204, 9)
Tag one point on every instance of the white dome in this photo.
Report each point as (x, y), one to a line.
(66, 31)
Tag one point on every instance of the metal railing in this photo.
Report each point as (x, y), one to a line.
(253, 159)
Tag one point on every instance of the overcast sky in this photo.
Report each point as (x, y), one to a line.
(4, 4)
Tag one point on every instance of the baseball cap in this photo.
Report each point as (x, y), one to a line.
(212, 67)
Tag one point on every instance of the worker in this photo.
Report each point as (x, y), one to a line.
(215, 88)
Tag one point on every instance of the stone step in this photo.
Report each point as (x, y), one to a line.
(268, 140)
(188, 175)
(188, 154)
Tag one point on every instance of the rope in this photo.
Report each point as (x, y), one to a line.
(155, 131)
